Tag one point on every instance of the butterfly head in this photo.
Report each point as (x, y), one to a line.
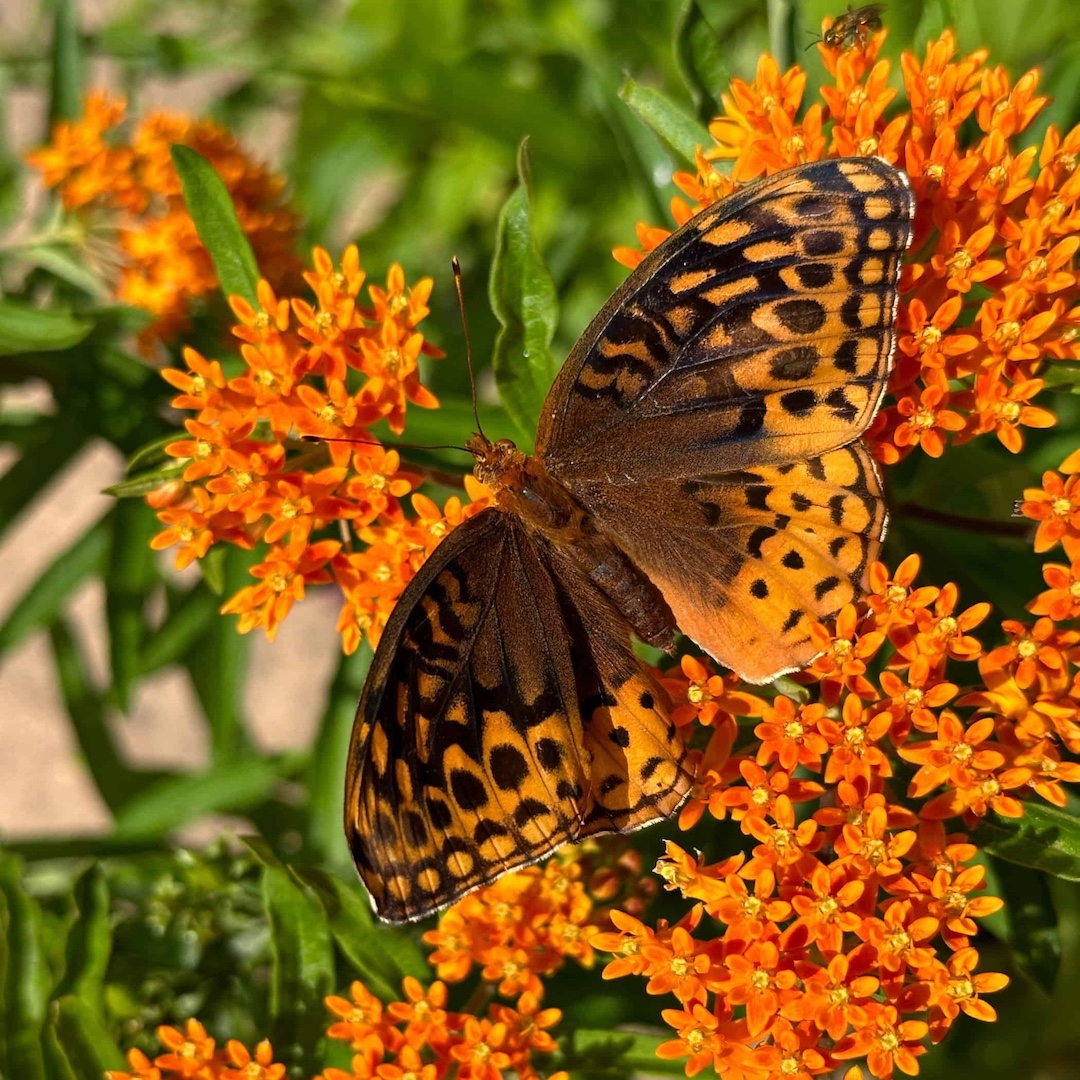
(498, 463)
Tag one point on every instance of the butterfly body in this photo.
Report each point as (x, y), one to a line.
(697, 464)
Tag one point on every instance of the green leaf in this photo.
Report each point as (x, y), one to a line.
(26, 984)
(326, 775)
(52, 446)
(677, 128)
(167, 804)
(46, 597)
(629, 1053)
(218, 663)
(700, 58)
(1045, 838)
(131, 574)
(84, 1039)
(1032, 923)
(65, 98)
(523, 299)
(89, 942)
(26, 329)
(185, 624)
(211, 208)
(212, 568)
(303, 960)
(152, 454)
(1062, 376)
(382, 955)
(86, 710)
(135, 487)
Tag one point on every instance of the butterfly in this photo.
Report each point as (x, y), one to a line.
(697, 466)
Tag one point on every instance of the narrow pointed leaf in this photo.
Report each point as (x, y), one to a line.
(84, 1039)
(1045, 838)
(26, 329)
(523, 299)
(682, 132)
(66, 95)
(211, 208)
(89, 942)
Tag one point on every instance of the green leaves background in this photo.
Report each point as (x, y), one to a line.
(404, 126)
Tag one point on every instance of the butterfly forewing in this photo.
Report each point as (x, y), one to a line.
(479, 744)
(701, 417)
(762, 331)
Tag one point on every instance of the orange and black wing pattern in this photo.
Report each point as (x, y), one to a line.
(504, 715)
(706, 408)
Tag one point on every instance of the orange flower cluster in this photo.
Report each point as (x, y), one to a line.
(246, 478)
(847, 929)
(418, 1039)
(990, 291)
(526, 924)
(128, 189)
(192, 1055)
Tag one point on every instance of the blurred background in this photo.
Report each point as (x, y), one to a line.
(130, 712)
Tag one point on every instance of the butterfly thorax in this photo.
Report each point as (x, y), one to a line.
(523, 487)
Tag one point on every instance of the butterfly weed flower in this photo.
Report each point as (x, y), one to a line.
(124, 197)
(989, 291)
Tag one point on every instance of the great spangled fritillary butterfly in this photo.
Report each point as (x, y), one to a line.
(698, 465)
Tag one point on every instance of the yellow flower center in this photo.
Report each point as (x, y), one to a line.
(680, 967)
(437, 528)
(990, 787)
(410, 1076)
(760, 795)
(695, 1038)
(289, 509)
(1048, 766)
(947, 627)
(325, 323)
(203, 449)
(198, 385)
(1053, 212)
(1035, 268)
(841, 647)
(954, 902)
(782, 839)
(253, 1070)
(503, 910)
(794, 730)
(1009, 411)
(889, 1041)
(328, 414)
(760, 981)
(936, 110)
(189, 1051)
(1007, 334)
(856, 98)
(768, 103)
(363, 620)
(1061, 507)
(932, 82)
(1065, 160)
(397, 304)
(934, 172)
(266, 379)
(827, 908)
(262, 322)
(337, 280)
(874, 851)
(962, 753)
(1074, 590)
(511, 969)
(571, 933)
(243, 480)
(895, 595)
(697, 694)
(186, 533)
(279, 581)
(960, 262)
(378, 482)
(927, 338)
(997, 175)
(923, 420)
(838, 995)
(1026, 648)
(913, 697)
(481, 1052)
(898, 942)
(790, 1066)
(422, 1009)
(960, 989)
(392, 361)
(795, 145)
(855, 737)
(869, 145)
(753, 906)
(630, 947)
(382, 573)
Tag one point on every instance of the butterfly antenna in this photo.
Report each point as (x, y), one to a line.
(387, 445)
(468, 344)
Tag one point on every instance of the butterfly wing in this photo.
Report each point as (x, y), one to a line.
(700, 416)
(492, 728)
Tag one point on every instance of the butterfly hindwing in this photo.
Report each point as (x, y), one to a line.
(504, 715)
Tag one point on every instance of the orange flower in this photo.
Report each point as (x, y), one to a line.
(188, 1053)
(246, 1067)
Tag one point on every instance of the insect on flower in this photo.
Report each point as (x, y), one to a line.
(853, 27)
